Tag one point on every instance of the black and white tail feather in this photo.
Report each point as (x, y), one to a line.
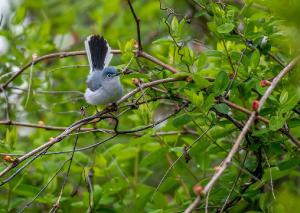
(103, 82)
(98, 52)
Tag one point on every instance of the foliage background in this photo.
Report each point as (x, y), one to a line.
(127, 170)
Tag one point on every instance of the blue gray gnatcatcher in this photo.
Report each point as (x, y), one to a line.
(103, 82)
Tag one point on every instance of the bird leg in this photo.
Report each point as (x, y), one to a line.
(113, 107)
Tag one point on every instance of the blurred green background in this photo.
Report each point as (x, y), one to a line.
(196, 37)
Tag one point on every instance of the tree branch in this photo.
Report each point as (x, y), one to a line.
(137, 21)
(84, 121)
(283, 130)
(241, 136)
(78, 53)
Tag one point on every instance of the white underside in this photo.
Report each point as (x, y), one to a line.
(105, 94)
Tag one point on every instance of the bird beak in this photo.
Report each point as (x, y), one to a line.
(118, 73)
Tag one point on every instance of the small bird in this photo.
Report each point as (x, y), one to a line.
(103, 82)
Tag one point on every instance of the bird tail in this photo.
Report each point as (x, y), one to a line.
(98, 52)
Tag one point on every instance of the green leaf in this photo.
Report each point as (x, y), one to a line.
(152, 157)
(180, 74)
(209, 102)
(163, 40)
(174, 24)
(197, 100)
(225, 28)
(276, 148)
(214, 53)
(20, 15)
(264, 202)
(221, 83)
(201, 61)
(294, 123)
(283, 97)
(182, 120)
(129, 46)
(276, 122)
(177, 150)
(143, 196)
(152, 146)
(222, 108)
(200, 81)
(276, 173)
(255, 59)
(97, 193)
(26, 190)
(11, 137)
(127, 153)
(289, 164)
(290, 103)
(181, 25)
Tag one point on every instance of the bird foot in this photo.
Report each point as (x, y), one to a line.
(113, 107)
(82, 110)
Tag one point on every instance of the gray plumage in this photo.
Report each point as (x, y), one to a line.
(93, 82)
(103, 82)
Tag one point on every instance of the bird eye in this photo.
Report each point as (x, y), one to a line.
(109, 75)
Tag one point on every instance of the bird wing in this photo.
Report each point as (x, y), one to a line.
(93, 80)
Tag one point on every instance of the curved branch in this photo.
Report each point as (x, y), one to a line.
(84, 121)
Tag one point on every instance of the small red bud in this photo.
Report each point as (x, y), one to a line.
(34, 56)
(41, 123)
(8, 158)
(136, 82)
(217, 168)
(197, 190)
(136, 45)
(265, 83)
(75, 37)
(189, 79)
(177, 107)
(255, 105)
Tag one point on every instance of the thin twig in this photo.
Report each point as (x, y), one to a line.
(87, 120)
(283, 130)
(44, 187)
(198, 4)
(207, 201)
(56, 205)
(52, 92)
(241, 136)
(94, 145)
(234, 183)
(157, 61)
(39, 59)
(47, 127)
(247, 42)
(79, 53)
(14, 164)
(7, 103)
(137, 21)
(173, 164)
(271, 178)
(235, 70)
(250, 45)
(29, 86)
